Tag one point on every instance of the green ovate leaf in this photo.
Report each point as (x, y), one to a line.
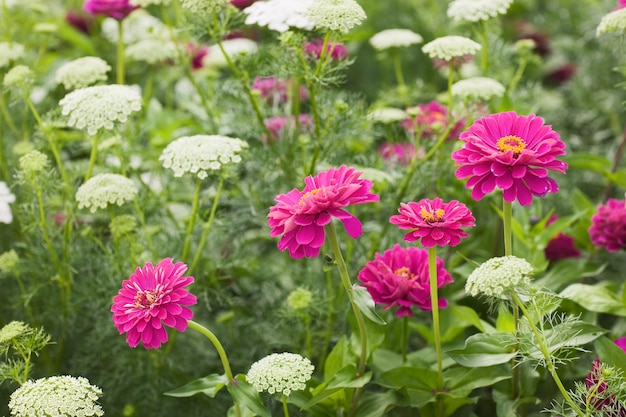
(338, 358)
(470, 316)
(598, 298)
(420, 383)
(344, 378)
(364, 302)
(485, 349)
(376, 404)
(245, 395)
(209, 385)
(610, 353)
(590, 162)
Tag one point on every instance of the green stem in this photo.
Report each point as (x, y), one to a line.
(506, 220)
(450, 99)
(192, 219)
(120, 52)
(434, 302)
(397, 67)
(517, 76)
(285, 408)
(7, 115)
(405, 337)
(144, 226)
(92, 157)
(507, 209)
(207, 225)
(484, 61)
(43, 224)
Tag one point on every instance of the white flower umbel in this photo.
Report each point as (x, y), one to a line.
(336, 15)
(82, 72)
(10, 52)
(233, 48)
(146, 3)
(18, 75)
(612, 22)
(152, 51)
(279, 15)
(136, 26)
(33, 162)
(476, 10)
(12, 330)
(59, 396)
(497, 276)
(204, 7)
(104, 189)
(477, 88)
(449, 47)
(100, 107)
(394, 38)
(5, 199)
(280, 373)
(200, 154)
(387, 115)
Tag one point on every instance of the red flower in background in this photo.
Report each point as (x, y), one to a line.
(430, 121)
(117, 9)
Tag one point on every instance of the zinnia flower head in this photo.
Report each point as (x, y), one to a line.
(277, 124)
(609, 404)
(499, 275)
(434, 222)
(511, 152)
(608, 226)
(5, 199)
(201, 154)
(300, 216)
(447, 48)
(103, 189)
(336, 50)
(397, 153)
(336, 15)
(476, 10)
(150, 299)
(400, 278)
(615, 21)
(280, 373)
(279, 15)
(477, 88)
(99, 107)
(620, 4)
(62, 396)
(275, 91)
(394, 38)
(430, 120)
(117, 9)
(82, 72)
(10, 52)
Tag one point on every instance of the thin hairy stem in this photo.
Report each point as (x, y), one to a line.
(192, 219)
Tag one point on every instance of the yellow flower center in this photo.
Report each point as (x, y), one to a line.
(145, 299)
(404, 272)
(308, 193)
(432, 216)
(511, 143)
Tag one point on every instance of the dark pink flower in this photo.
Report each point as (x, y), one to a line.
(275, 91)
(611, 405)
(117, 9)
(430, 121)
(337, 51)
(241, 4)
(561, 246)
(511, 152)
(197, 53)
(400, 278)
(608, 226)
(456, 62)
(561, 74)
(300, 216)
(434, 222)
(277, 124)
(153, 297)
(398, 153)
(80, 21)
(620, 4)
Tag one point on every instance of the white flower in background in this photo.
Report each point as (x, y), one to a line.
(33, 162)
(394, 38)
(387, 115)
(5, 199)
(82, 72)
(136, 26)
(203, 7)
(480, 88)
(146, 3)
(14, 329)
(152, 51)
(103, 189)
(279, 15)
(449, 47)
(18, 75)
(475, 10)
(10, 52)
(612, 22)
(232, 47)
(336, 15)
(280, 373)
(59, 396)
(98, 107)
(8, 262)
(499, 275)
(201, 153)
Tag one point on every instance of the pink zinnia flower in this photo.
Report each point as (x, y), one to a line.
(398, 153)
(197, 53)
(117, 9)
(300, 216)
(431, 121)
(400, 278)
(434, 222)
(336, 50)
(611, 405)
(277, 124)
(620, 4)
(153, 297)
(511, 152)
(561, 246)
(608, 226)
(275, 91)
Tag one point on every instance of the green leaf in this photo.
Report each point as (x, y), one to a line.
(209, 385)
(610, 353)
(344, 378)
(462, 381)
(566, 271)
(245, 395)
(589, 162)
(338, 358)
(410, 377)
(376, 404)
(598, 298)
(468, 315)
(485, 349)
(364, 302)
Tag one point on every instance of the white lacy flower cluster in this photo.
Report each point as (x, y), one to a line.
(12, 330)
(99, 107)
(394, 38)
(336, 15)
(499, 275)
(387, 115)
(136, 26)
(152, 51)
(449, 47)
(279, 15)
(104, 189)
(280, 373)
(201, 153)
(479, 88)
(203, 7)
(82, 72)
(19, 74)
(476, 10)
(233, 48)
(59, 396)
(5, 199)
(612, 22)
(146, 3)
(33, 162)
(10, 52)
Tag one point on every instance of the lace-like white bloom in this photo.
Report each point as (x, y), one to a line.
(449, 47)
(98, 107)
(203, 7)
(387, 115)
(152, 51)
(612, 22)
(499, 275)
(233, 47)
(475, 10)
(146, 3)
(12, 330)
(104, 189)
(280, 373)
(337, 15)
(33, 162)
(82, 72)
(201, 153)
(279, 15)
(5, 199)
(299, 299)
(10, 52)
(479, 88)
(8, 262)
(394, 38)
(17, 75)
(59, 396)
(137, 26)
